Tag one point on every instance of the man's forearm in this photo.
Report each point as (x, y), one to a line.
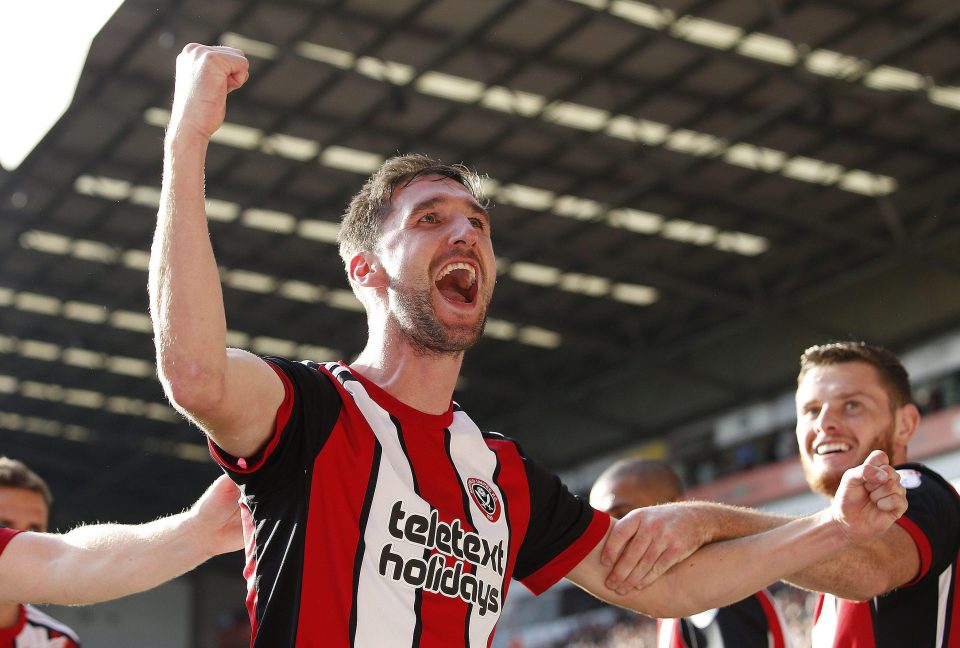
(723, 572)
(866, 570)
(859, 572)
(99, 562)
(186, 300)
(729, 570)
(725, 522)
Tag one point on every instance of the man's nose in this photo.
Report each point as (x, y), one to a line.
(463, 231)
(827, 418)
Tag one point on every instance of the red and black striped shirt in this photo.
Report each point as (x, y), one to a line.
(924, 612)
(371, 523)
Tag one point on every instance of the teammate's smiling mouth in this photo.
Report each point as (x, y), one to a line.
(457, 282)
(831, 448)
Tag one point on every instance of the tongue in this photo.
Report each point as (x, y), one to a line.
(456, 286)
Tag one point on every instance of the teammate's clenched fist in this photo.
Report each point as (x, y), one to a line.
(205, 74)
(870, 498)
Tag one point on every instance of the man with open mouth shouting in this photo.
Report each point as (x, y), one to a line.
(377, 513)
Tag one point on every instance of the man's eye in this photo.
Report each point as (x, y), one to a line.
(428, 218)
(478, 223)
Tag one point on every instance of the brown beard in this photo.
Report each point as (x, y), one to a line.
(418, 321)
(827, 483)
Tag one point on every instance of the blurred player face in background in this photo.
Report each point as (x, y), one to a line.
(617, 496)
(22, 509)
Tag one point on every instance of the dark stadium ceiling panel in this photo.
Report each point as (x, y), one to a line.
(685, 195)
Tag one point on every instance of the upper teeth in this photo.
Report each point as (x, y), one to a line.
(832, 447)
(458, 266)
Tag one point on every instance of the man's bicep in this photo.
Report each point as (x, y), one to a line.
(244, 419)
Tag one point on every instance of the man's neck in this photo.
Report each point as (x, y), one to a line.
(424, 382)
(9, 614)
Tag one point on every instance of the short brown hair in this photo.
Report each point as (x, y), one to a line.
(891, 371)
(15, 474)
(360, 227)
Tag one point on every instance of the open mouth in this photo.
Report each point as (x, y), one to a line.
(458, 283)
(831, 448)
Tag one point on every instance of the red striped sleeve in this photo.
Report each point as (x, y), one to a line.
(923, 547)
(548, 575)
(252, 464)
(6, 535)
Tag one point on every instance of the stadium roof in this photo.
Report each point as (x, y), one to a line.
(686, 194)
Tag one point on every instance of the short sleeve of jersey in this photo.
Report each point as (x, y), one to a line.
(304, 421)
(6, 535)
(563, 529)
(932, 518)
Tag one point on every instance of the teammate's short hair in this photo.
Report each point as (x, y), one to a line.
(360, 227)
(15, 474)
(894, 376)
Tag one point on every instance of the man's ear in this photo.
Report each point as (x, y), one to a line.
(908, 418)
(366, 271)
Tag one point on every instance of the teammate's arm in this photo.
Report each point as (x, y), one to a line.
(870, 499)
(233, 395)
(106, 561)
(857, 573)
(669, 533)
(674, 531)
(866, 570)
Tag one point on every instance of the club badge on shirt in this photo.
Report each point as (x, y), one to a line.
(485, 498)
(909, 478)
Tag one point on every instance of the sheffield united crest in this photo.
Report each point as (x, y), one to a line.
(485, 498)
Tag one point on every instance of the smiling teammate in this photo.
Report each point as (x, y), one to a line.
(378, 513)
(900, 589)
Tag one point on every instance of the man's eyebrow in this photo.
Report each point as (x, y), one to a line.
(430, 203)
(842, 396)
(856, 393)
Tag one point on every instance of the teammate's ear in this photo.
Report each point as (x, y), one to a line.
(907, 420)
(366, 271)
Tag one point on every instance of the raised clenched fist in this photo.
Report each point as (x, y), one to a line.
(870, 498)
(205, 74)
